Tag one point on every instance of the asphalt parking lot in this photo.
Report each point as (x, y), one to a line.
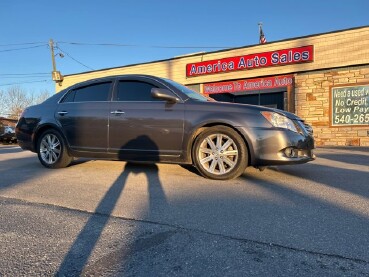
(109, 218)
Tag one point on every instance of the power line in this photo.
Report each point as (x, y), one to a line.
(24, 77)
(137, 45)
(73, 58)
(40, 81)
(22, 48)
(22, 74)
(25, 43)
(111, 44)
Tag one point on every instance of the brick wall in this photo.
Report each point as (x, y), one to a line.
(8, 122)
(312, 92)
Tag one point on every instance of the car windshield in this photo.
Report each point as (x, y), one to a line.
(189, 92)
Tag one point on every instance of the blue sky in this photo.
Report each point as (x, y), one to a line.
(174, 25)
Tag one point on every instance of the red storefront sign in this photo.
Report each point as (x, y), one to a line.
(259, 60)
(248, 84)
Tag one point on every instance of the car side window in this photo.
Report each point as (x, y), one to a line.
(90, 93)
(135, 91)
(69, 97)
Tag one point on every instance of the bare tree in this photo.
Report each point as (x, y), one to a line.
(41, 97)
(16, 99)
(3, 106)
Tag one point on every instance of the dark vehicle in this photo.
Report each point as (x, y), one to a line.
(146, 118)
(7, 134)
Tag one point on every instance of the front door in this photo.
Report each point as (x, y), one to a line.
(142, 127)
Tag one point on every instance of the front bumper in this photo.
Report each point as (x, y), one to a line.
(275, 146)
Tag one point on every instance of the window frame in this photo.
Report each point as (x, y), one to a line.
(135, 100)
(87, 84)
(140, 79)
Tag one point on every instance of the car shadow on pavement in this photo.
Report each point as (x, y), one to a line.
(29, 167)
(77, 258)
(353, 180)
(321, 221)
(79, 161)
(8, 149)
(350, 155)
(191, 168)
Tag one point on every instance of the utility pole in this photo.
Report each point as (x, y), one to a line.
(56, 76)
(51, 45)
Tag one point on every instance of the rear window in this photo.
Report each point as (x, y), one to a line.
(91, 93)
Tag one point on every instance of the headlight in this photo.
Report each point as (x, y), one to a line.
(280, 121)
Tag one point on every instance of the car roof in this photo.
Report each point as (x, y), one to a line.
(113, 77)
(120, 76)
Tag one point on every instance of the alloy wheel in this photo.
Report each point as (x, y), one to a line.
(218, 154)
(50, 149)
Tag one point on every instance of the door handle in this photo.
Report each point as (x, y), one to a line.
(62, 113)
(117, 112)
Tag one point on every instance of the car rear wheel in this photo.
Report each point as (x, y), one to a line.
(51, 150)
(220, 153)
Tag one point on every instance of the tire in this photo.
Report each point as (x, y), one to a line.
(220, 153)
(52, 150)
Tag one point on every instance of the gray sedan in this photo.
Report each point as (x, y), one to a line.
(151, 119)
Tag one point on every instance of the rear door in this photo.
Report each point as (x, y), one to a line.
(84, 114)
(142, 127)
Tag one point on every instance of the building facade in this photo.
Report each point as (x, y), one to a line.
(322, 78)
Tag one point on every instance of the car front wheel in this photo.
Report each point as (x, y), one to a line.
(51, 150)
(220, 153)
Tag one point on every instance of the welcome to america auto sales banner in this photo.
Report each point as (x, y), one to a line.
(258, 60)
(249, 84)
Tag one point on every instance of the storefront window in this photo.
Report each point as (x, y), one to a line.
(194, 87)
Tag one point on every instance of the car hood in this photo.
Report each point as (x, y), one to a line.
(288, 114)
(238, 107)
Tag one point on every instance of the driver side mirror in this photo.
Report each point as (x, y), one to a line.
(164, 94)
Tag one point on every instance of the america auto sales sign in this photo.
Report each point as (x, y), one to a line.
(301, 54)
